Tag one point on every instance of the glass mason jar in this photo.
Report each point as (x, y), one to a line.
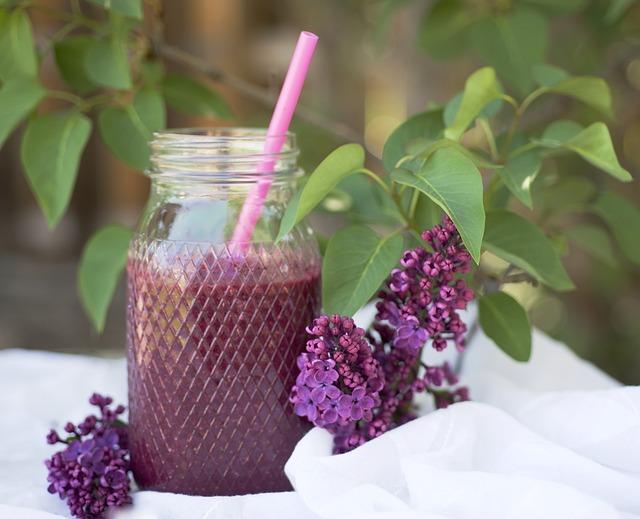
(214, 328)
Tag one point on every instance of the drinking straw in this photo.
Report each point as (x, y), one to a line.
(276, 136)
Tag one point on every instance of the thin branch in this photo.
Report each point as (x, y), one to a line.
(251, 91)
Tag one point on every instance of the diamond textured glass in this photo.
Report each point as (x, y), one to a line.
(214, 328)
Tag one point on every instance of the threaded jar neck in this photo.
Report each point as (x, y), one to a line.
(222, 155)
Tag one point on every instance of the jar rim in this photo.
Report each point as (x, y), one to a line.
(204, 134)
(216, 152)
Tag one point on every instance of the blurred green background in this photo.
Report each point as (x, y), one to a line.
(377, 62)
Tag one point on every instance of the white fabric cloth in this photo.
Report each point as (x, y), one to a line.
(554, 438)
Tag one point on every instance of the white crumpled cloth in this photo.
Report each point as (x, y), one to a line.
(554, 438)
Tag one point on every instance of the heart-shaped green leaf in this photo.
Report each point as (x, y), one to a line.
(356, 263)
(480, 89)
(18, 97)
(71, 56)
(517, 240)
(127, 130)
(425, 126)
(592, 143)
(51, 149)
(17, 47)
(190, 96)
(342, 162)
(505, 322)
(595, 146)
(103, 260)
(592, 91)
(453, 182)
(106, 64)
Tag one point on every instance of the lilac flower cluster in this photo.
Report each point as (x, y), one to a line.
(91, 473)
(339, 381)
(425, 295)
(358, 386)
(421, 307)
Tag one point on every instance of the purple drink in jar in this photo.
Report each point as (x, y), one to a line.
(213, 329)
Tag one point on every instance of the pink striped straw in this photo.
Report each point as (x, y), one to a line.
(276, 136)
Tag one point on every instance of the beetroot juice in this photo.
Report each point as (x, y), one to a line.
(214, 328)
(212, 363)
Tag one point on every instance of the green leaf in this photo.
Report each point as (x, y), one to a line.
(355, 264)
(480, 89)
(595, 241)
(594, 145)
(18, 56)
(51, 149)
(442, 30)
(127, 8)
(427, 213)
(106, 64)
(342, 162)
(452, 107)
(548, 75)
(558, 132)
(71, 56)
(512, 44)
(368, 204)
(190, 96)
(453, 182)
(505, 322)
(103, 260)
(592, 91)
(519, 173)
(623, 218)
(18, 96)
(426, 125)
(127, 130)
(617, 9)
(517, 240)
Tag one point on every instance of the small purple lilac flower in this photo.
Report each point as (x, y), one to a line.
(410, 335)
(357, 405)
(91, 473)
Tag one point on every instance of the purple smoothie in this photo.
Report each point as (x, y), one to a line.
(212, 358)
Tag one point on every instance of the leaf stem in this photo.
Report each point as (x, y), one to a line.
(491, 189)
(510, 134)
(491, 141)
(377, 179)
(413, 204)
(410, 223)
(66, 96)
(531, 98)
